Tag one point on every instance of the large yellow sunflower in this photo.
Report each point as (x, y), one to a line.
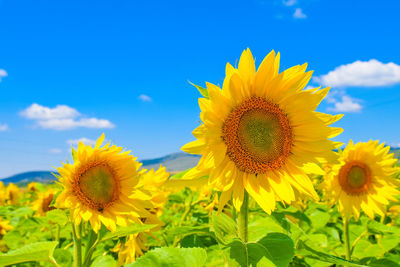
(100, 187)
(362, 180)
(261, 133)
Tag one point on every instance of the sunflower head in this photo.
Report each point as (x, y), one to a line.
(100, 186)
(13, 194)
(260, 133)
(5, 226)
(43, 203)
(363, 180)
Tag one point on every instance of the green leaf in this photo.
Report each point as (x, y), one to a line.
(202, 90)
(172, 257)
(39, 251)
(63, 257)
(57, 216)
(326, 257)
(124, 231)
(104, 261)
(224, 228)
(262, 226)
(275, 249)
(319, 218)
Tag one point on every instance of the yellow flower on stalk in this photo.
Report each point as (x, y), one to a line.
(363, 180)
(32, 187)
(134, 244)
(99, 187)
(2, 193)
(261, 133)
(12, 194)
(152, 182)
(42, 204)
(5, 226)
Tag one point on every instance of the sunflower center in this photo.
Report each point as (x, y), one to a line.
(258, 136)
(97, 186)
(46, 203)
(355, 177)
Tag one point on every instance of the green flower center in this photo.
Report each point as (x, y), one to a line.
(356, 177)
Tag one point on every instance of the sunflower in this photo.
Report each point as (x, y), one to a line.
(32, 187)
(152, 182)
(134, 244)
(2, 193)
(4, 226)
(12, 194)
(363, 180)
(261, 133)
(99, 187)
(42, 204)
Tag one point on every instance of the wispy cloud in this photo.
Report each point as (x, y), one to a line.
(372, 73)
(62, 117)
(298, 14)
(3, 127)
(86, 141)
(289, 2)
(347, 104)
(55, 151)
(145, 98)
(3, 74)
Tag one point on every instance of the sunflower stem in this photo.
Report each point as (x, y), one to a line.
(92, 238)
(77, 244)
(346, 238)
(243, 218)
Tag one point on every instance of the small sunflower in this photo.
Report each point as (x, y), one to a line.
(13, 194)
(152, 182)
(261, 133)
(100, 187)
(363, 180)
(2, 193)
(42, 204)
(134, 244)
(32, 187)
(5, 226)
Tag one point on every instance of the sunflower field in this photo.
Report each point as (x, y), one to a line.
(271, 189)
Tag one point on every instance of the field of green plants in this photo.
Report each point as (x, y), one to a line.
(194, 234)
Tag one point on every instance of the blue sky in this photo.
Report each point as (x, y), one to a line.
(74, 69)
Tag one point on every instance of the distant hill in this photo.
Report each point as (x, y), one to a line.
(175, 162)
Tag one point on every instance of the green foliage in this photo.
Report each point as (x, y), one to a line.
(40, 251)
(202, 90)
(172, 257)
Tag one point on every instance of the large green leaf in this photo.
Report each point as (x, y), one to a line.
(104, 261)
(40, 251)
(275, 249)
(124, 231)
(224, 228)
(318, 255)
(172, 257)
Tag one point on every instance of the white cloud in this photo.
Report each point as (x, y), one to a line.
(3, 74)
(347, 104)
(38, 112)
(62, 117)
(55, 151)
(289, 2)
(298, 14)
(3, 127)
(86, 141)
(372, 73)
(145, 98)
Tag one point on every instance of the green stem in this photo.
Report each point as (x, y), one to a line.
(89, 251)
(77, 244)
(243, 218)
(346, 238)
(92, 238)
(58, 228)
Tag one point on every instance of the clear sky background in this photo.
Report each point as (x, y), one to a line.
(74, 69)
